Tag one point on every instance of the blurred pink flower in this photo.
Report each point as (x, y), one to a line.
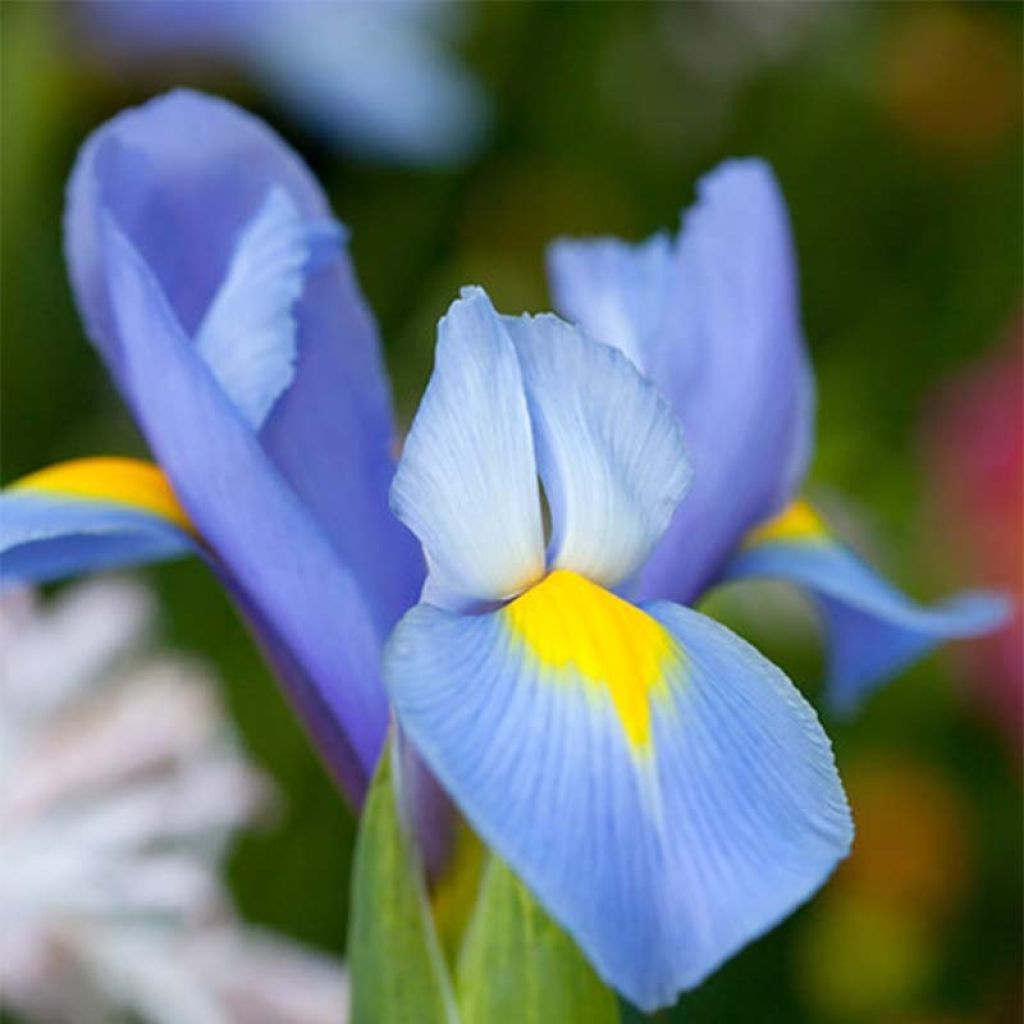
(974, 447)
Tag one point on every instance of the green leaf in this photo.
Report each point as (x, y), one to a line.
(398, 973)
(517, 965)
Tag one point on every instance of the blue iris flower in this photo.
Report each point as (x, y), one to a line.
(373, 77)
(663, 789)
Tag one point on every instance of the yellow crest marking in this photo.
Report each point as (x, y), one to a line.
(797, 521)
(122, 481)
(567, 622)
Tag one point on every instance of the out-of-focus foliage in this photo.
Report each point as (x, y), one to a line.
(895, 130)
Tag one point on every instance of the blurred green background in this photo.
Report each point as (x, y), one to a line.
(895, 130)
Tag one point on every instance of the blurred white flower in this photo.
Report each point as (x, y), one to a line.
(120, 787)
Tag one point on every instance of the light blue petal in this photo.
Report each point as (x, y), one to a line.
(609, 449)
(183, 176)
(874, 631)
(301, 597)
(466, 484)
(248, 336)
(660, 863)
(717, 327)
(45, 538)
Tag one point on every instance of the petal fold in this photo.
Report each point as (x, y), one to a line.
(609, 449)
(88, 515)
(874, 631)
(663, 789)
(467, 481)
(714, 321)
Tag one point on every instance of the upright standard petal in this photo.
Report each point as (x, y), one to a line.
(467, 481)
(287, 576)
(609, 449)
(716, 326)
(873, 630)
(664, 790)
(187, 179)
(87, 515)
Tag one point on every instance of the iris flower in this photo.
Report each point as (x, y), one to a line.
(663, 789)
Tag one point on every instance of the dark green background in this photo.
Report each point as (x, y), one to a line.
(895, 131)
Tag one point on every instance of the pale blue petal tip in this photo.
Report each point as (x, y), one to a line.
(867, 651)
(874, 631)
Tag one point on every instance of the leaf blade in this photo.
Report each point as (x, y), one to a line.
(517, 964)
(398, 972)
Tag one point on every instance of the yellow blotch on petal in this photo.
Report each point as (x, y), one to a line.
(133, 482)
(570, 624)
(796, 522)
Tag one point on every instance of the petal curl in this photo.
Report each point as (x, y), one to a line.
(285, 574)
(248, 336)
(609, 449)
(715, 324)
(182, 177)
(87, 515)
(661, 787)
(874, 630)
(467, 481)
